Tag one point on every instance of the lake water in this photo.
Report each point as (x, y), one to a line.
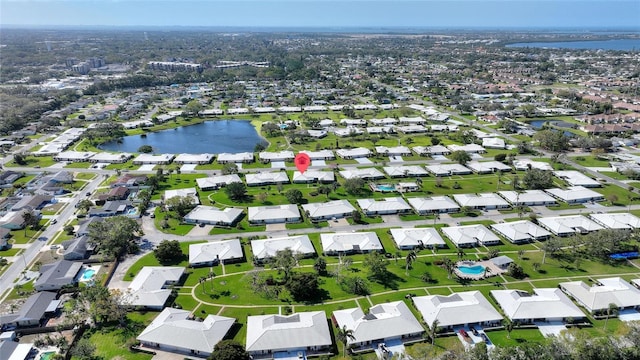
(214, 137)
(617, 44)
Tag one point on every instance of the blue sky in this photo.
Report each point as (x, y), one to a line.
(326, 13)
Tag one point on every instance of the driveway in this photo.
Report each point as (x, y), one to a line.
(200, 231)
(276, 227)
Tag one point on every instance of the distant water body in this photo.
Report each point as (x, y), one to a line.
(213, 137)
(618, 44)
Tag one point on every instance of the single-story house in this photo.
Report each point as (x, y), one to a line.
(405, 171)
(149, 288)
(267, 248)
(469, 148)
(214, 252)
(470, 235)
(193, 159)
(328, 210)
(350, 243)
(548, 304)
(287, 213)
(412, 238)
(174, 330)
(487, 167)
(501, 262)
(129, 180)
(188, 193)
(348, 131)
(75, 156)
(483, 201)
(110, 158)
(312, 176)
(35, 202)
(244, 157)
(266, 156)
(77, 249)
(33, 311)
(434, 204)
(215, 182)
(161, 159)
(112, 208)
(493, 143)
(569, 225)
(319, 155)
(393, 151)
(300, 332)
(13, 350)
(526, 164)
(57, 275)
(14, 220)
(9, 177)
(211, 215)
(353, 122)
(575, 194)
(412, 120)
(528, 198)
(83, 228)
(412, 129)
(466, 308)
(521, 231)
(266, 178)
(597, 297)
(576, 178)
(617, 220)
(353, 153)
(392, 321)
(366, 173)
(384, 206)
(5, 234)
(431, 150)
(448, 169)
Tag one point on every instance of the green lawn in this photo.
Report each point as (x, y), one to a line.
(85, 176)
(112, 341)
(78, 165)
(590, 161)
(34, 161)
(174, 225)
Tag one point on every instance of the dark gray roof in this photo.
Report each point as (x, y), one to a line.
(59, 273)
(76, 248)
(32, 309)
(84, 226)
(31, 202)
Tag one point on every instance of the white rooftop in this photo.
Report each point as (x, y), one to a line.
(527, 197)
(210, 251)
(575, 193)
(328, 209)
(212, 214)
(487, 166)
(576, 178)
(384, 321)
(447, 169)
(384, 205)
(265, 248)
(480, 200)
(569, 224)
(353, 153)
(617, 220)
(173, 328)
(524, 164)
(607, 291)
(147, 288)
(259, 178)
(217, 181)
(433, 204)
(350, 241)
(470, 234)
(456, 309)
(545, 303)
(523, 230)
(293, 332)
(235, 157)
(408, 170)
(416, 237)
(313, 175)
(366, 173)
(194, 158)
(273, 213)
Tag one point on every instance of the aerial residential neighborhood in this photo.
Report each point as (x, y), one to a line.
(461, 194)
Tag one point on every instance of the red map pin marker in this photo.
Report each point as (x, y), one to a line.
(302, 162)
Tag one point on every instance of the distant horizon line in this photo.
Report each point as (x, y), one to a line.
(328, 29)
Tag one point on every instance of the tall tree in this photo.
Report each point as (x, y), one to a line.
(460, 156)
(284, 261)
(236, 191)
(411, 257)
(229, 350)
(116, 235)
(343, 335)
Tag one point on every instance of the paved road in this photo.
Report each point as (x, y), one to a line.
(15, 269)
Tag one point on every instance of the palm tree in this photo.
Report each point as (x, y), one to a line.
(612, 310)
(411, 257)
(433, 331)
(343, 335)
(449, 266)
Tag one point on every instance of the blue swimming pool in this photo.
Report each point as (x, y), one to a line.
(471, 270)
(385, 187)
(88, 274)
